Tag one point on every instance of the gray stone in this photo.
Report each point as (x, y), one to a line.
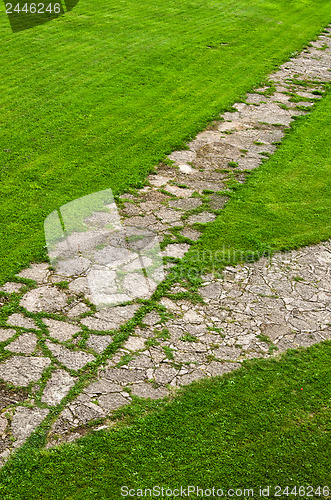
(177, 250)
(212, 291)
(99, 342)
(164, 375)
(186, 204)
(228, 353)
(44, 298)
(102, 386)
(135, 285)
(21, 370)
(190, 233)
(17, 319)
(167, 215)
(57, 387)
(201, 218)
(26, 344)
(11, 287)
(151, 318)
(112, 402)
(74, 360)
(122, 375)
(191, 377)
(217, 202)
(25, 421)
(274, 331)
(60, 330)
(216, 368)
(145, 390)
(85, 413)
(37, 272)
(5, 334)
(134, 344)
(142, 361)
(77, 310)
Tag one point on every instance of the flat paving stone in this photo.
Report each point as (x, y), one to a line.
(17, 319)
(6, 334)
(99, 342)
(60, 330)
(11, 287)
(148, 391)
(74, 360)
(112, 402)
(201, 218)
(44, 298)
(57, 387)
(177, 250)
(134, 344)
(21, 370)
(37, 272)
(25, 344)
(25, 421)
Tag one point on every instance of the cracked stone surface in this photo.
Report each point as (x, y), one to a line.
(256, 310)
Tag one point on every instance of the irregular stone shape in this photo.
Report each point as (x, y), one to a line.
(134, 344)
(60, 330)
(20, 370)
(84, 413)
(202, 218)
(26, 344)
(192, 317)
(180, 192)
(11, 287)
(212, 291)
(45, 298)
(142, 361)
(190, 233)
(186, 203)
(111, 402)
(190, 377)
(168, 215)
(77, 310)
(151, 318)
(37, 272)
(145, 390)
(121, 375)
(274, 331)
(135, 285)
(25, 421)
(217, 368)
(177, 250)
(74, 360)
(57, 387)
(158, 180)
(99, 342)
(17, 319)
(6, 334)
(226, 352)
(102, 386)
(98, 324)
(79, 285)
(164, 375)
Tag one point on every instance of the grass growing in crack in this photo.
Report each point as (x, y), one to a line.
(123, 91)
(285, 203)
(275, 429)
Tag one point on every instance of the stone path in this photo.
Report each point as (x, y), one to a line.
(58, 352)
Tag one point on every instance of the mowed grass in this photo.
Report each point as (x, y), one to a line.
(94, 99)
(268, 424)
(284, 204)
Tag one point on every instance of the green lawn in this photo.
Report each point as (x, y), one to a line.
(96, 98)
(268, 424)
(284, 204)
